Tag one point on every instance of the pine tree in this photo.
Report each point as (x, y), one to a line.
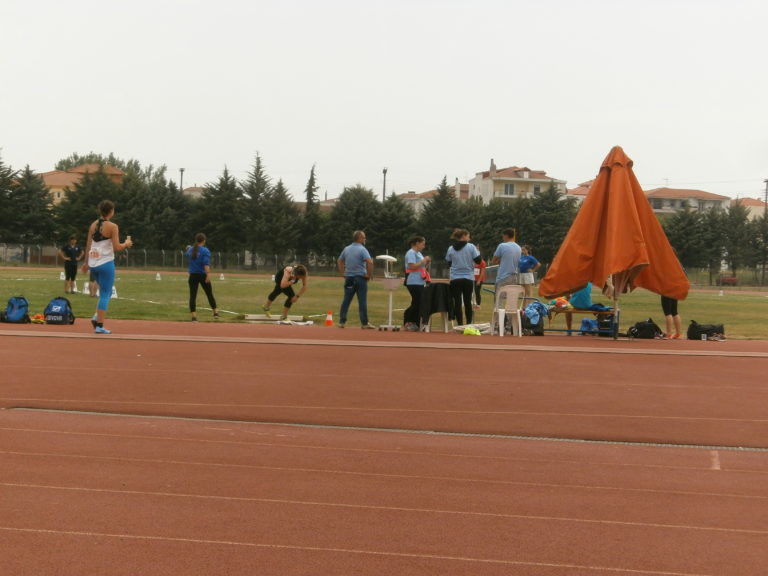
(282, 229)
(256, 188)
(29, 202)
(394, 225)
(736, 236)
(437, 222)
(310, 221)
(546, 223)
(7, 177)
(220, 214)
(356, 209)
(684, 232)
(75, 213)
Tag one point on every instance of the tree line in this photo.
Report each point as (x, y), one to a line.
(257, 217)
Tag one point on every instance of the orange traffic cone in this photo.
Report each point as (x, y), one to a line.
(329, 318)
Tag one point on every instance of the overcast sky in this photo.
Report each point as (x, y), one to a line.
(425, 88)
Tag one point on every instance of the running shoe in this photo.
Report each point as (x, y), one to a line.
(102, 330)
(266, 311)
(368, 327)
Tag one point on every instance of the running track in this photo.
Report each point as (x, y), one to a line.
(243, 449)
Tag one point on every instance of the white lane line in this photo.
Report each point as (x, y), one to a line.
(602, 569)
(402, 509)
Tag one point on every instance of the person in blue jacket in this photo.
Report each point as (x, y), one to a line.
(200, 275)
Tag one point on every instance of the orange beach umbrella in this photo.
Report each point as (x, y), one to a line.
(615, 241)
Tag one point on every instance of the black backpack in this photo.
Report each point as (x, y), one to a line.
(645, 329)
(59, 311)
(696, 330)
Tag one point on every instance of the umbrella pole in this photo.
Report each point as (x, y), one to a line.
(615, 323)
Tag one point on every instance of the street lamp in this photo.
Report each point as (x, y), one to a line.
(181, 180)
(765, 204)
(384, 189)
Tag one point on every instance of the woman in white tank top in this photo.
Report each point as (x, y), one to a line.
(103, 242)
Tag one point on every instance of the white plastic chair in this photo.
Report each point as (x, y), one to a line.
(508, 300)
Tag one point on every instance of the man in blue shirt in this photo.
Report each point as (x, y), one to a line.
(356, 265)
(507, 256)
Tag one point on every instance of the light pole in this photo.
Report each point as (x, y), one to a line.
(181, 180)
(765, 204)
(384, 189)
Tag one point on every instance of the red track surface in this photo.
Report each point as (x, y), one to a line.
(245, 449)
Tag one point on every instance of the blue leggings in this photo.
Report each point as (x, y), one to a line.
(105, 277)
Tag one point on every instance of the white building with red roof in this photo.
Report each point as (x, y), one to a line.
(670, 200)
(512, 182)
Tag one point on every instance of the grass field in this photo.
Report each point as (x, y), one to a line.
(142, 296)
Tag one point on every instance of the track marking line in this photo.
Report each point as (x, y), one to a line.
(416, 477)
(397, 410)
(399, 509)
(512, 347)
(467, 559)
(378, 451)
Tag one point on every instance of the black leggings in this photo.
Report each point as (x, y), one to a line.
(461, 292)
(196, 280)
(669, 306)
(412, 313)
(288, 291)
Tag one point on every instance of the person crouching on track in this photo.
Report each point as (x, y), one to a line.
(284, 281)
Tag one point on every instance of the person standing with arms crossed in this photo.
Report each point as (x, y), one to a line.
(200, 275)
(528, 266)
(103, 243)
(356, 265)
(71, 252)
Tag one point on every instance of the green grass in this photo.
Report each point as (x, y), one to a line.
(141, 296)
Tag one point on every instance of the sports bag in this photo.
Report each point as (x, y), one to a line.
(645, 329)
(711, 331)
(59, 311)
(588, 326)
(17, 310)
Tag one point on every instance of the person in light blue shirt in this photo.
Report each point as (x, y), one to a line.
(356, 265)
(417, 277)
(507, 256)
(462, 256)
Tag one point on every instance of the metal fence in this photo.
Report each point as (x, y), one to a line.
(39, 255)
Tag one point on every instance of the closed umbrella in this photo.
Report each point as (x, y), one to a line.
(615, 241)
